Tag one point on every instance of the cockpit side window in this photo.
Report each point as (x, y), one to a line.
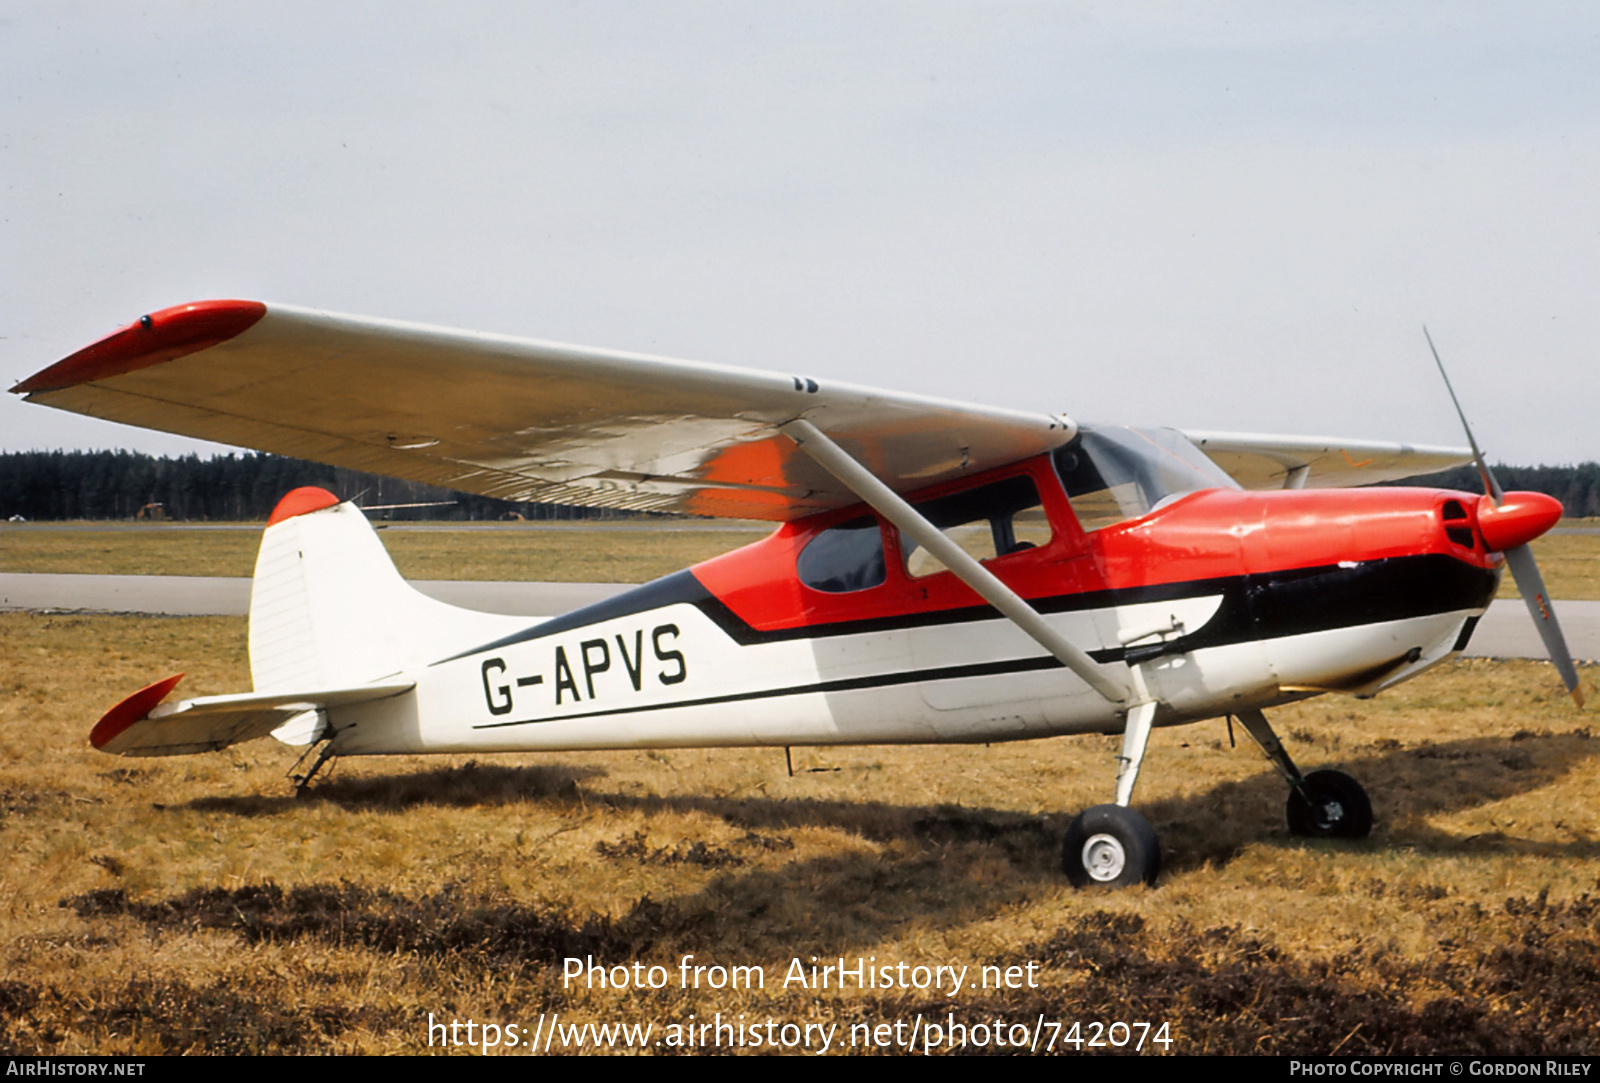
(844, 558)
(990, 521)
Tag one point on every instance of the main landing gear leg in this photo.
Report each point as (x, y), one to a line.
(1323, 804)
(1112, 845)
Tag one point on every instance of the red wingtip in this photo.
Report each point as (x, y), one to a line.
(130, 710)
(1520, 518)
(301, 500)
(161, 336)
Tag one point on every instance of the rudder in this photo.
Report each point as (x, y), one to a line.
(328, 609)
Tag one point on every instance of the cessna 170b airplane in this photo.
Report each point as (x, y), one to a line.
(940, 572)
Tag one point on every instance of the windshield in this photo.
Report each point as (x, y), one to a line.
(1113, 474)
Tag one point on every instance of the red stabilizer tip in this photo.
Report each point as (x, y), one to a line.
(150, 340)
(130, 710)
(301, 500)
(1520, 518)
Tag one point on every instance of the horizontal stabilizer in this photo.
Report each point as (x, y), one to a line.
(142, 725)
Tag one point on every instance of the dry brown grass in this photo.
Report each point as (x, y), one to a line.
(549, 552)
(191, 905)
(1570, 563)
(562, 553)
(128, 549)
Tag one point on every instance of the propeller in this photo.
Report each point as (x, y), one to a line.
(1508, 524)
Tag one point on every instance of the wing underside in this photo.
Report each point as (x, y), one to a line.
(520, 419)
(1325, 462)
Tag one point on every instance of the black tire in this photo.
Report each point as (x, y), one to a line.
(1332, 806)
(1110, 846)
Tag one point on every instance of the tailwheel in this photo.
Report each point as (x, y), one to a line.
(302, 783)
(1110, 846)
(1329, 805)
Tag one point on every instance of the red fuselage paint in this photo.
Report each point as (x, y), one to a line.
(1215, 534)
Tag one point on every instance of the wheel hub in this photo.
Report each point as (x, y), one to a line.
(1104, 858)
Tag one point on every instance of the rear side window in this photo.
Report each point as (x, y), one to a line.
(990, 521)
(844, 558)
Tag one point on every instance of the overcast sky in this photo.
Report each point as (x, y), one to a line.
(1224, 216)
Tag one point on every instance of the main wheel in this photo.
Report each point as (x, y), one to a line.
(1332, 806)
(1111, 846)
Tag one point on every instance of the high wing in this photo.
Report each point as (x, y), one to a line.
(527, 420)
(1323, 462)
(520, 419)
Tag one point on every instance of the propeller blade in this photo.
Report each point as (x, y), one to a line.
(1490, 485)
(1520, 527)
(1525, 570)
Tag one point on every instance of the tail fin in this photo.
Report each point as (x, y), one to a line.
(332, 625)
(329, 610)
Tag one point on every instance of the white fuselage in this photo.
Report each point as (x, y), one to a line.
(671, 676)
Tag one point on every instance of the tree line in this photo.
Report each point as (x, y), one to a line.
(124, 484)
(1577, 487)
(44, 485)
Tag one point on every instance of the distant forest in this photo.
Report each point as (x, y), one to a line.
(1577, 487)
(43, 485)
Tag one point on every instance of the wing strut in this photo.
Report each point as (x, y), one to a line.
(834, 459)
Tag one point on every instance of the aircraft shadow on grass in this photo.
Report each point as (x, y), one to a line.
(1413, 785)
(940, 864)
